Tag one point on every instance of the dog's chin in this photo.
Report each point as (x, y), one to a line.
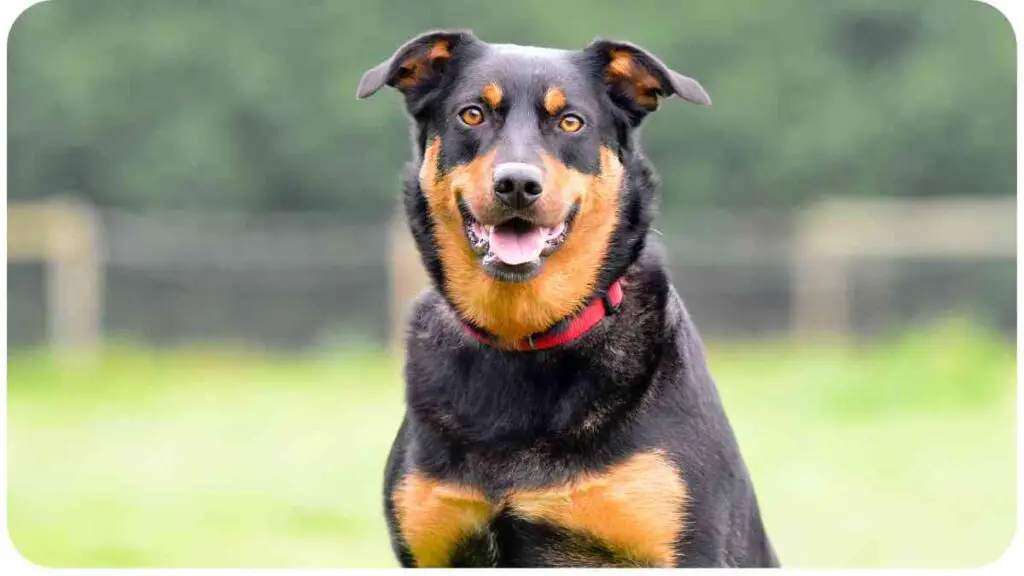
(515, 250)
(511, 273)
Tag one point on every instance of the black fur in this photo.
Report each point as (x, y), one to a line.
(496, 420)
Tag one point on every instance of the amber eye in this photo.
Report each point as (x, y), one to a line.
(472, 115)
(570, 123)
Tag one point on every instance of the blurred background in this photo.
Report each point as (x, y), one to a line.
(206, 279)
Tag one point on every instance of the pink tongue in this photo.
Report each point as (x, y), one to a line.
(517, 247)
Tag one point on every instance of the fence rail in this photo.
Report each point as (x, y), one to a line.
(296, 280)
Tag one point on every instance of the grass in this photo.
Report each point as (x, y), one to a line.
(897, 453)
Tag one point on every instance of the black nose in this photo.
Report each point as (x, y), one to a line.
(517, 185)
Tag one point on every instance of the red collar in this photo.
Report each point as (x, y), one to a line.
(565, 331)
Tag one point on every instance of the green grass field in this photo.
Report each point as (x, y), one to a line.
(898, 453)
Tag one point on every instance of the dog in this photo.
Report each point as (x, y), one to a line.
(559, 409)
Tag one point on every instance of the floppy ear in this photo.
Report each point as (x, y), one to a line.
(417, 64)
(636, 79)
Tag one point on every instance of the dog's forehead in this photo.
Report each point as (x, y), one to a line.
(526, 70)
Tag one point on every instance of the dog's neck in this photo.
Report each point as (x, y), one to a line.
(566, 330)
(608, 371)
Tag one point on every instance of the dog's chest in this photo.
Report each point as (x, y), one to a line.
(629, 514)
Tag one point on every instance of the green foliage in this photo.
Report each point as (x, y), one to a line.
(899, 454)
(250, 104)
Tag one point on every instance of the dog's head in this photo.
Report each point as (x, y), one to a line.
(528, 192)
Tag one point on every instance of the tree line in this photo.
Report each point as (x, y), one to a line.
(248, 105)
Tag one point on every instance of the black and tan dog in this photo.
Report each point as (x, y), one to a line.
(559, 407)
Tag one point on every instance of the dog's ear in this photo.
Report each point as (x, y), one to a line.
(637, 80)
(418, 64)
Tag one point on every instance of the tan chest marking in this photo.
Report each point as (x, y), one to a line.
(434, 516)
(636, 508)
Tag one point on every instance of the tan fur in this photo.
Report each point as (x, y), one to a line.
(623, 68)
(513, 311)
(439, 51)
(434, 516)
(635, 507)
(554, 101)
(492, 94)
(419, 64)
(620, 65)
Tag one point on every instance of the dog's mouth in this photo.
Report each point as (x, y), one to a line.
(514, 250)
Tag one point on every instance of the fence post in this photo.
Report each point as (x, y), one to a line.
(820, 277)
(66, 234)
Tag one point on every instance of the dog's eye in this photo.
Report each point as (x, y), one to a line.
(472, 115)
(570, 123)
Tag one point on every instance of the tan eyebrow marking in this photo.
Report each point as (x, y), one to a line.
(554, 101)
(492, 94)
